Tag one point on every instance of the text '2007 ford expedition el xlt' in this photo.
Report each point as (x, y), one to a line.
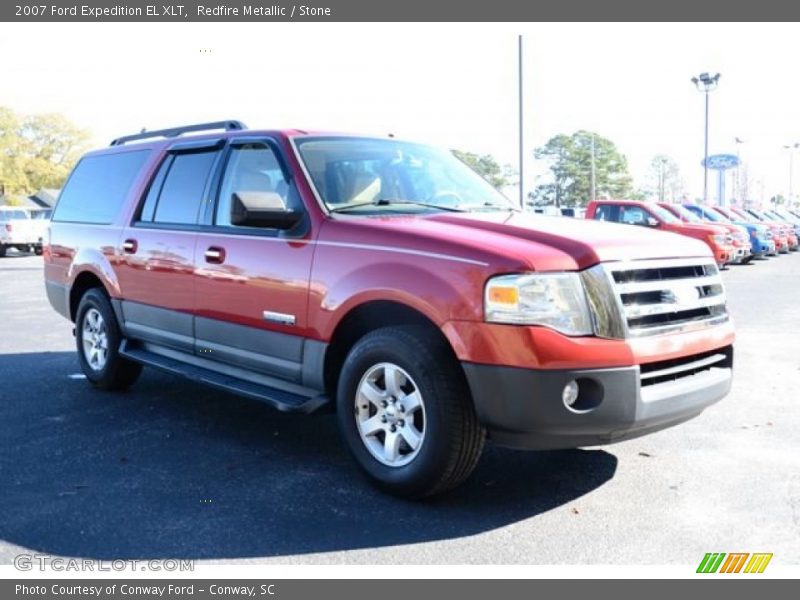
(387, 280)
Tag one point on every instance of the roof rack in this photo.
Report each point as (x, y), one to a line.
(176, 131)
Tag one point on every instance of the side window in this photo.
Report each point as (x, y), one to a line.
(634, 215)
(607, 212)
(98, 186)
(176, 194)
(252, 168)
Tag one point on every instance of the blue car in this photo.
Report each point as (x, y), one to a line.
(760, 238)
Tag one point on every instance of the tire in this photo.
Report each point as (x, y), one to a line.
(441, 417)
(99, 356)
(37, 250)
(2, 251)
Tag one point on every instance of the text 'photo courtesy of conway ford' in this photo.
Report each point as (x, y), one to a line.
(385, 280)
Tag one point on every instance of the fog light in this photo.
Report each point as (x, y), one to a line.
(570, 393)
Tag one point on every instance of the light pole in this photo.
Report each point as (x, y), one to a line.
(521, 136)
(594, 174)
(790, 148)
(706, 83)
(738, 187)
(662, 163)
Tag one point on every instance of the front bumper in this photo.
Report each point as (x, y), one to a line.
(723, 254)
(741, 254)
(523, 408)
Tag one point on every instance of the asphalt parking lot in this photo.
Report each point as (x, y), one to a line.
(173, 469)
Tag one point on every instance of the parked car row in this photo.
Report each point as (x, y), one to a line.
(22, 229)
(735, 235)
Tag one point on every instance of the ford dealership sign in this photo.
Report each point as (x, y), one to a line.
(721, 162)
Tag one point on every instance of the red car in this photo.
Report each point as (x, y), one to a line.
(742, 248)
(633, 212)
(388, 281)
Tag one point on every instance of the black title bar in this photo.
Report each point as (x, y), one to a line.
(399, 11)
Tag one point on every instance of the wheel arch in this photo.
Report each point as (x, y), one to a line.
(367, 317)
(83, 282)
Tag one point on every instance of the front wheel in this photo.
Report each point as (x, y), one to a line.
(98, 338)
(405, 412)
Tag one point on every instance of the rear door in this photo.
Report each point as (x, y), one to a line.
(157, 271)
(251, 283)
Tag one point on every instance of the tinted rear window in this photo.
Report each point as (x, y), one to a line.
(98, 186)
(182, 193)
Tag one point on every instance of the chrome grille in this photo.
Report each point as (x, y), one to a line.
(662, 296)
(653, 297)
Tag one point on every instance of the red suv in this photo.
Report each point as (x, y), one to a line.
(387, 280)
(633, 212)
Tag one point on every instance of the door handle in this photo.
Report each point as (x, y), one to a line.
(129, 246)
(215, 255)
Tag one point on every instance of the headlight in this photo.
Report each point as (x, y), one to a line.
(555, 300)
(719, 239)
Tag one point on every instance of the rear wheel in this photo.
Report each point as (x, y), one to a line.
(2, 251)
(405, 412)
(98, 339)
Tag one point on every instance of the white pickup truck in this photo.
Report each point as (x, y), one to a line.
(18, 230)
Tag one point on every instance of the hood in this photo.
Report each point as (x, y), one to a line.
(538, 242)
(706, 228)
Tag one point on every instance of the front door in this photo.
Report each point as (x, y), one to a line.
(251, 284)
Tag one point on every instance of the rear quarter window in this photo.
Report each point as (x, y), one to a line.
(607, 212)
(98, 186)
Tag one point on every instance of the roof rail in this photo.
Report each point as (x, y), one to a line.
(176, 131)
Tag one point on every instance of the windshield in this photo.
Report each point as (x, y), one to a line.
(712, 215)
(389, 176)
(741, 214)
(8, 215)
(686, 214)
(664, 214)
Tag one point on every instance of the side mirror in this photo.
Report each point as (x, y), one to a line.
(262, 209)
(651, 222)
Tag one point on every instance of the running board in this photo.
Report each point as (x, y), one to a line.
(280, 399)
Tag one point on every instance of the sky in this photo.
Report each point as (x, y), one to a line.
(453, 85)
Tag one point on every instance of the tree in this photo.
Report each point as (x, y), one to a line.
(570, 158)
(37, 151)
(665, 182)
(499, 176)
(777, 200)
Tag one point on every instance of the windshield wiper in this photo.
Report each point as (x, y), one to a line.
(393, 202)
(493, 205)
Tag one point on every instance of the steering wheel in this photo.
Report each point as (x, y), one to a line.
(446, 198)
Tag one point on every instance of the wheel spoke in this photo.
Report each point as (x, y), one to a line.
(411, 436)
(394, 380)
(411, 402)
(370, 391)
(371, 426)
(391, 446)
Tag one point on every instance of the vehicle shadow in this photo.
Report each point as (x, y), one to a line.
(171, 469)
